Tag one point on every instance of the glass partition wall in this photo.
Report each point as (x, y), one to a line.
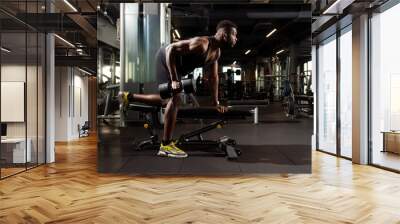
(345, 62)
(22, 76)
(334, 67)
(385, 89)
(327, 95)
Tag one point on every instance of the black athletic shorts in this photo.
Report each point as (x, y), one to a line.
(162, 72)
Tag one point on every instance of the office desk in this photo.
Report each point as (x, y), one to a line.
(391, 141)
(13, 150)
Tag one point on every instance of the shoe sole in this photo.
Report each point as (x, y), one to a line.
(164, 154)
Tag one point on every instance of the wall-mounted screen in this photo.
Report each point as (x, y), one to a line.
(12, 101)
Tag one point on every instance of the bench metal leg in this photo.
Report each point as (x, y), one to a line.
(231, 153)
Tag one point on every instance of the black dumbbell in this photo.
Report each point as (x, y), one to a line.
(187, 85)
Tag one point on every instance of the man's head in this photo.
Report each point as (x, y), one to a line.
(228, 31)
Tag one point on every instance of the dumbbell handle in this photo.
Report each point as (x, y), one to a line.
(166, 90)
(177, 90)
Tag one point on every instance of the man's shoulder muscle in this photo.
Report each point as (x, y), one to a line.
(199, 43)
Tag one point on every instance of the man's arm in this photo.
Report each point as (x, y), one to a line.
(214, 82)
(194, 45)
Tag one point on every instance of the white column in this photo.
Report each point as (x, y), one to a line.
(360, 90)
(50, 98)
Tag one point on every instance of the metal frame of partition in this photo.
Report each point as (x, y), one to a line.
(369, 91)
(338, 98)
(43, 94)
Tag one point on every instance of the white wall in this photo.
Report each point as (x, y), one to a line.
(62, 81)
(80, 112)
(71, 102)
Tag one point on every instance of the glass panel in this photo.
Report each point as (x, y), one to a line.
(32, 85)
(22, 79)
(13, 86)
(31, 98)
(346, 94)
(327, 96)
(385, 84)
(144, 39)
(151, 40)
(132, 61)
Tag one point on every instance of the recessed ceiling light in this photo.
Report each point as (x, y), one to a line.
(64, 40)
(177, 34)
(84, 71)
(272, 32)
(70, 5)
(5, 50)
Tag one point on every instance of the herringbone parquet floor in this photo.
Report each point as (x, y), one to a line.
(71, 191)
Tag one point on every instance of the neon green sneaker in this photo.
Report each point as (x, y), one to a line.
(123, 100)
(171, 150)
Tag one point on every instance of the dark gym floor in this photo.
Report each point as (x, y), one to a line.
(276, 145)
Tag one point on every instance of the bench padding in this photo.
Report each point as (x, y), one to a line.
(196, 113)
(212, 113)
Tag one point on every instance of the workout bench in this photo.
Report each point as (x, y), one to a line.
(224, 146)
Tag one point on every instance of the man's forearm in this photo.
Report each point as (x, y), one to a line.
(170, 59)
(214, 89)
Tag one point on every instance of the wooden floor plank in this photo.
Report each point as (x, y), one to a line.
(71, 191)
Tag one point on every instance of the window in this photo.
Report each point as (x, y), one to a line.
(385, 88)
(327, 95)
(346, 93)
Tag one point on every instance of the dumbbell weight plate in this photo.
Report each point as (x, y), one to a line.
(188, 86)
(165, 90)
